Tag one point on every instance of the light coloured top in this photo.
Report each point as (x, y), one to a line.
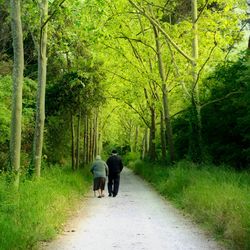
(99, 168)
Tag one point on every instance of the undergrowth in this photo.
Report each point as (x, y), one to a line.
(216, 197)
(38, 210)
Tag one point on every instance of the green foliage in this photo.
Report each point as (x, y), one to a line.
(6, 40)
(29, 91)
(225, 117)
(57, 142)
(222, 205)
(216, 197)
(130, 157)
(77, 92)
(37, 212)
(181, 130)
(5, 104)
(226, 123)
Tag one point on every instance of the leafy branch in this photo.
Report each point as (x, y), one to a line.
(167, 37)
(221, 99)
(204, 64)
(133, 108)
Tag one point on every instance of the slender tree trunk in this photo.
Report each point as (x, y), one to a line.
(84, 138)
(145, 145)
(96, 135)
(78, 140)
(163, 139)
(90, 143)
(130, 140)
(143, 148)
(15, 138)
(169, 131)
(164, 96)
(151, 106)
(152, 148)
(136, 138)
(40, 109)
(99, 137)
(93, 137)
(85, 147)
(196, 124)
(73, 159)
(99, 142)
(147, 141)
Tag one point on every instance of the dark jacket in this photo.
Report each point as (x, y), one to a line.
(114, 163)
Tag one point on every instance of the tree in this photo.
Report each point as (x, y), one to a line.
(165, 101)
(15, 141)
(40, 110)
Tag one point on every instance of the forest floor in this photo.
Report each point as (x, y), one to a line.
(137, 218)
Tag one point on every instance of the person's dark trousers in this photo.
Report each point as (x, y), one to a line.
(113, 183)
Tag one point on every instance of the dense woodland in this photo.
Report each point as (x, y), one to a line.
(165, 82)
(162, 80)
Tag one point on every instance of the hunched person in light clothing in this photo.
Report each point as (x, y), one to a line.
(100, 170)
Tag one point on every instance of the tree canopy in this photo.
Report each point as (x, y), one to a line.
(164, 79)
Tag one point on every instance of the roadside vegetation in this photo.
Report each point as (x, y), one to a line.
(37, 212)
(157, 80)
(218, 198)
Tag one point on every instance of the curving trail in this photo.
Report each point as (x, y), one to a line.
(138, 218)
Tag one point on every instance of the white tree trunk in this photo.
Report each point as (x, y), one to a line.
(195, 95)
(40, 110)
(15, 139)
(165, 101)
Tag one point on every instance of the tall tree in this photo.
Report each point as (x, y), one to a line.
(196, 126)
(165, 101)
(15, 140)
(42, 68)
(78, 138)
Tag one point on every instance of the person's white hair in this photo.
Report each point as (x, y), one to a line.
(98, 157)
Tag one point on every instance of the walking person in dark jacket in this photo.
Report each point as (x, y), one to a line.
(115, 166)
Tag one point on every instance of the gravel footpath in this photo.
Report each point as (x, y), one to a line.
(137, 218)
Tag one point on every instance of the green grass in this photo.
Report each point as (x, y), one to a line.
(38, 210)
(216, 197)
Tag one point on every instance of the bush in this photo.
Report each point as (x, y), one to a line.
(130, 157)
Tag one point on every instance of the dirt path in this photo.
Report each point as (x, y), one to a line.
(138, 218)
